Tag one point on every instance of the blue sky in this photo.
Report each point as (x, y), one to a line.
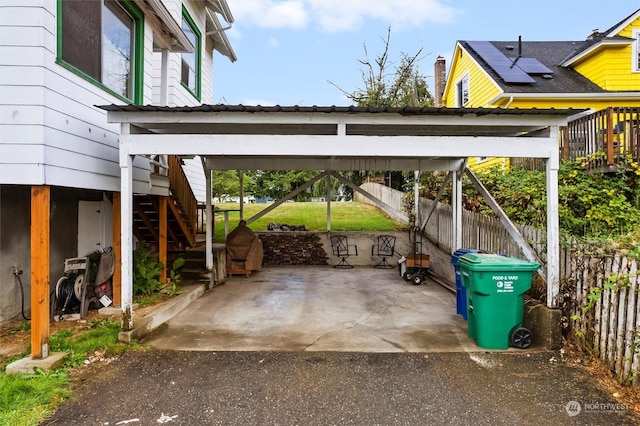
(289, 50)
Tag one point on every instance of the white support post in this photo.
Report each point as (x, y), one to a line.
(416, 198)
(209, 221)
(553, 226)
(241, 173)
(126, 229)
(456, 204)
(328, 195)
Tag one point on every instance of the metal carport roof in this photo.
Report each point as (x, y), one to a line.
(334, 138)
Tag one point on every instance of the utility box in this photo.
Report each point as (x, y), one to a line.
(417, 260)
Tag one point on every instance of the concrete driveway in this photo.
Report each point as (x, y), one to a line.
(237, 357)
(319, 308)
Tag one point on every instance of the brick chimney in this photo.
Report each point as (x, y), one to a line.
(440, 72)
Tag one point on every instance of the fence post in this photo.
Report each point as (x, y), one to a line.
(610, 159)
(565, 143)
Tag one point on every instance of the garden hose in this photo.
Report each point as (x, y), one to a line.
(18, 272)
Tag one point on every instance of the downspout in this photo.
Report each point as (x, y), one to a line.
(219, 30)
(164, 78)
(509, 102)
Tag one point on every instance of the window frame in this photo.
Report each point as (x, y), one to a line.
(460, 85)
(137, 53)
(198, 55)
(635, 51)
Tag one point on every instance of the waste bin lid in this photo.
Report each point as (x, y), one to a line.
(496, 262)
(459, 253)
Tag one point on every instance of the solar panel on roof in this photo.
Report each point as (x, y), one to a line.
(500, 63)
(531, 66)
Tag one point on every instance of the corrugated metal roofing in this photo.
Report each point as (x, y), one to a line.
(221, 108)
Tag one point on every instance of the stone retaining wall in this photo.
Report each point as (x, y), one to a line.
(314, 248)
(292, 248)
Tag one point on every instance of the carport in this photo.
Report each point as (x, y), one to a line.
(331, 139)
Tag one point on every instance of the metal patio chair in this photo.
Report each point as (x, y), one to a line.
(385, 248)
(341, 248)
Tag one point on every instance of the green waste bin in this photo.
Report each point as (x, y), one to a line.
(495, 288)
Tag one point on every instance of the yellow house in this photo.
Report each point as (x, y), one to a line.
(599, 72)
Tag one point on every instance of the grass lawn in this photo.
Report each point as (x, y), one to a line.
(345, 216)
(27, 399)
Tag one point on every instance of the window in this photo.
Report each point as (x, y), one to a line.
(635, 61)
(462, 89)
(481, 159)
(190, 69)
(102, 41)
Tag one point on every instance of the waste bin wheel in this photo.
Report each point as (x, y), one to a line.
(416, 279)
(521, 338)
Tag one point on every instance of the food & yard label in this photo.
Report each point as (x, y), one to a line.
(504, 283)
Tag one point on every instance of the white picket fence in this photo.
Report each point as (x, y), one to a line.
(600, 292)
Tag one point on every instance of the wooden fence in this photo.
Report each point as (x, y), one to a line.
(606, 311)
(599, 296)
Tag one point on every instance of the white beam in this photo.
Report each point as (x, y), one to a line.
(287, 197)
(434, 205)
(528, 252)
(275, 146)
(384, 206)
(352, 163)
(245, 118)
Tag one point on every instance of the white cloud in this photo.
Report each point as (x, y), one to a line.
(339, 16)
(271, 13)
(273, 42)
(400, 14)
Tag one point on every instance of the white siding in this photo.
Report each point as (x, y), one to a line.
(51, 132)
(195, 175)
(207, 72)
(179, 96)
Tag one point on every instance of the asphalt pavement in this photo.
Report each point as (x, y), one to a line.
(340, 388)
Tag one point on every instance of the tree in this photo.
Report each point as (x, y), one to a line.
(225, 183)
(592, 205)
(388, 85)
(278, 183)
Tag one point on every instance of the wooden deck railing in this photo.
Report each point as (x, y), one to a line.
(182, 192)
(604, 137)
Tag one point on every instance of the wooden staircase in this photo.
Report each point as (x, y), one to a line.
(180, 207)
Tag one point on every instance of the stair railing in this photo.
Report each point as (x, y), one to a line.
(182, 192)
